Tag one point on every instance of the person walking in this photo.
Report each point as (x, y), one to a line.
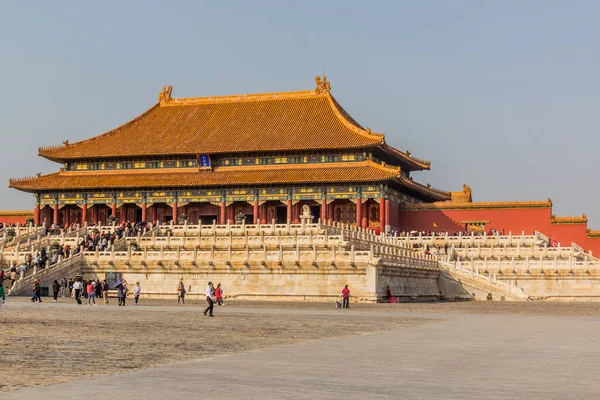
(77, 287)
(346, 297)
(181, 292)
(55, 289)
(122, 292)
(219, 294)
(210, 298)
(13, 278)
(98, 287)
(137, 290)
(91, 293)
(63, 287)
(37, 291)
(2, 294)
(105, 291)
(125, 290)
(70, 286)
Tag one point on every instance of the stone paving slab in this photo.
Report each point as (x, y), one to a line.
(457, 357)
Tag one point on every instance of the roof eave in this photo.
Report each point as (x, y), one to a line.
(416, 163)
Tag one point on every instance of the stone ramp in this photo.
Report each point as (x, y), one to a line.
(456, 283)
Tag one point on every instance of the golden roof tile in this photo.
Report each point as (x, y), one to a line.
(569, 220)
(593, 233)
(191, 177)
(305, 120)
(452, 205)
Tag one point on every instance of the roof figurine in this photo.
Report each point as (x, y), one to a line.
(165, 94)
(323, 85)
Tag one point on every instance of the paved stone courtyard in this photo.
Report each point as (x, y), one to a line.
(408, 352)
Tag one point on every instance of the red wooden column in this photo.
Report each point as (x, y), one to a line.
(153, 213)
(289, 211)
(84, 214)
(113, 209)
(174, 206)
(94, 214)
(330, 216)
(36, 215)
(358, 212)
(55, 215)
(67, 218)
(144, 212)
(382, 211)
(387, 213)
(222, 214)
(256, 217)
(323, 211)
(365, 215)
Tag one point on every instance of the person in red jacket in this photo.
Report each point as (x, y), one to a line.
(346, 297)
(91, 292)
(219, 294)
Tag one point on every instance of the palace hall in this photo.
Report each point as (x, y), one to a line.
(210, 159)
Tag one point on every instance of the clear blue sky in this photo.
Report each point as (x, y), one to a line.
(502, 95)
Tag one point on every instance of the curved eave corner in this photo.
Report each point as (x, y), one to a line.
(407, 157)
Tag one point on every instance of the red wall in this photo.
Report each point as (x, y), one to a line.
(503, 220)
(12, 217)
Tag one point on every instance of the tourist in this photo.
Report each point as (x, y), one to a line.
(36, 291)
(105, 291)
(210, 298)
(219, 294)
(137, 290)
(125, 290)
(346, 297)
(63, 287)
(98, 288)
(70, 286)
(13, 277)
(122, 292)
(2, 294)
(181, 292)
(388, 293)
(55, 289)
(78, 286)
(91, 292)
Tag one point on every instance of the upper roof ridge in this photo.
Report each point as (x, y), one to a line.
(237, 98)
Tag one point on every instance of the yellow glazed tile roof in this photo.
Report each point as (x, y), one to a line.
(454, 205)
(569, 220)
(190, 177)
(306, 120)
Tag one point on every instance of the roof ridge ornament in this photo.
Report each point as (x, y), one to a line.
(165, 94)
(323, 85)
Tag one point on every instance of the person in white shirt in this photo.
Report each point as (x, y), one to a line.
(210, 298)
(77, 286)
(137, 290)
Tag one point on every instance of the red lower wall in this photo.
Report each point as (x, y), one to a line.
(503, 220)
(14, 217)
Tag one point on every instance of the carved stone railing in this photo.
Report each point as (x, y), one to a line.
(529, 265)
(235, 230)
(51, 272)
(230, 255)
(461, 240)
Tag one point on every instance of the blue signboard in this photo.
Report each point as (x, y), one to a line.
(204, 161)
